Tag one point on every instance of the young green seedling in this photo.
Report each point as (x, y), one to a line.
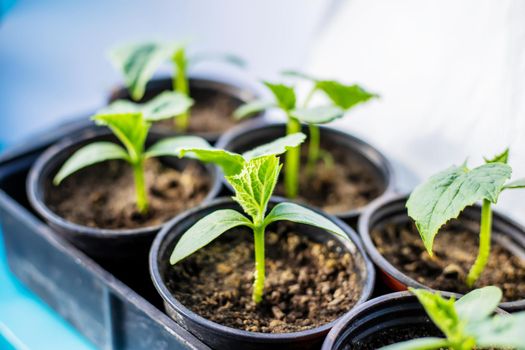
(341, 97)
(253, 177)
(444, 196)
(130, 122)
(467, 323)
(138, 63)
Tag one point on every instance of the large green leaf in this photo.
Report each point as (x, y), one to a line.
(172, 146)
(478, 304)
(251, 108)
(230, 163)
(500, 331)
(254, 185)
(130, 128)
(344, 96)
(443, 196)
(206, 230)
(88, 155)
(276, 147)
(296, 213)
(418, 344)
(138, 63)
(318, 115)
(284, 95)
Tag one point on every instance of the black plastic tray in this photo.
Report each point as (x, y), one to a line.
(113, 309)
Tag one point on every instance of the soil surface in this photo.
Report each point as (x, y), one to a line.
(103, 195)
(348, 183)
(212, 112)
(455, 250)
(308, 284)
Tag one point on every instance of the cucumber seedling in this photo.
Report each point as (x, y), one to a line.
(341, 98)
(253, 176)
(444, 196)
(467, 323)
(138, 63)
(130, 123)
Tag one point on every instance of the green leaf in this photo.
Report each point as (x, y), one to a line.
(441, 311)
(205, 231)
(284, 95)
(418, 344)
(500, 331)
(503, 157)
(172, 146)
(230, 163)
(130, 128)
(344, 96)
(138, 63)
(444, 195)
(297, 74)
(225, 57)
(254, 185)
(520, 183)
(478, 304)
(88, 155)
(301, 215)
(251, 108)
(318, 115)
(276, 147)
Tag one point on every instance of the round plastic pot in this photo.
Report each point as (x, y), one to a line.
(244, 138)
(505, 231)
(372, 319)
(100, 243)
(201, 88)
(222, 337)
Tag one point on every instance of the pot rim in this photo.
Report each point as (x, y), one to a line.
(378, 160)
(230, 332)
(363, 228)
(38, 203)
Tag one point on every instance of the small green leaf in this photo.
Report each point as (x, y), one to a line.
(520, 183)
(443, 196)
(254, 185)
(230, 163)
(138, 63)
(131, 129)
(297, 74)
(276, 147)
(88, 155)
(419, 344)
(318, 115)
(500, 331)
(478, 304)
(284, 95)
(172, 146)
(344, 96)
(224, 57)
(503, 157)
(251, 108)
(166, 105)
(301, 215)
(205, 231)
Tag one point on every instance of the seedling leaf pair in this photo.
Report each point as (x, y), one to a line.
(468, 322)
(253, 177)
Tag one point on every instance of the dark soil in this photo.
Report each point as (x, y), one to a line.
(308, 284)
(348, 184)
(103, 195)
(455, 249)
(210, 113)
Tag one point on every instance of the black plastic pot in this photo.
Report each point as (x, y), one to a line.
(201, 88)
(223, 337)
(106, 244)
(244, 138)
(506, 232)
(370, 322)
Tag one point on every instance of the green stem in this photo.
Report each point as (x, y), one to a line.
(313, 148)
(140, 187)
(258, 282)
(484, 244)
(293, 159)
(181, 85)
